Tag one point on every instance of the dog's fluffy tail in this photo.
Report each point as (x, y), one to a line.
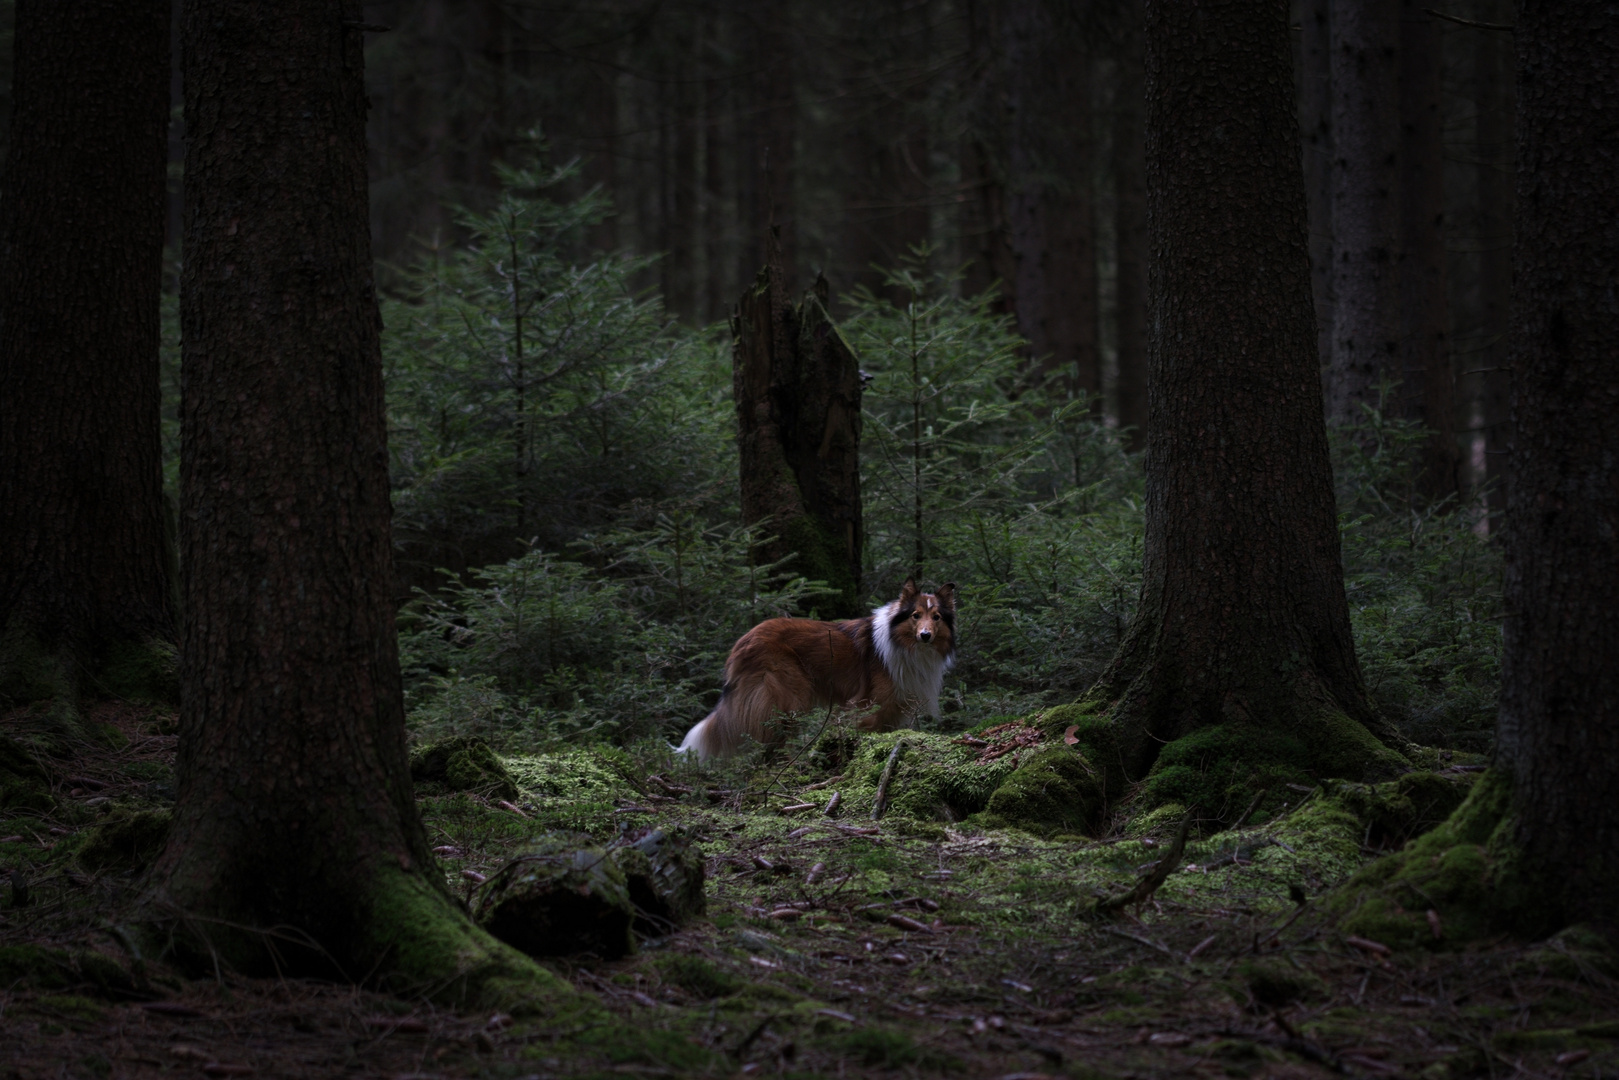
(745, 712)
(697, 739)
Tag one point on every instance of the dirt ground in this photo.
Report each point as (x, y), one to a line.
(832, 946)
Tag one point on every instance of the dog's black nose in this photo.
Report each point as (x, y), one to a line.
(924, 634)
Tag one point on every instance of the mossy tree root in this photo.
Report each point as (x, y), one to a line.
(412, 940)
(1469, 871)
(1243, 753)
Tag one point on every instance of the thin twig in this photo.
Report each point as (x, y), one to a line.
(879, 804)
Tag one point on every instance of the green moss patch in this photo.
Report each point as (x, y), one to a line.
(1054, 791)
(147, 671)
(937, 778)
(463, 763)
(126, 841)
(24, 784)
(1222, 769)
(1275, 982)
(1465, 871)
(698, 976)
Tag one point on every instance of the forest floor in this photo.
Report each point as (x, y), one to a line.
(832, 946)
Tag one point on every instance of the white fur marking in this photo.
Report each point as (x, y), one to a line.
(918, 673)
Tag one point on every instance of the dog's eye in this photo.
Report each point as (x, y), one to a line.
(916, 614)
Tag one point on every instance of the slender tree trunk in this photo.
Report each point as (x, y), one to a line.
(1559, 723)
(1315, 126)
(1130, 201)
(1429, 382)
(797, 389)
(85, 567)
(1365, 205)
(294, 806)
(1243, 623)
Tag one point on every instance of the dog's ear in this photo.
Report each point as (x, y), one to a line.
(908, 592)
(947, 596)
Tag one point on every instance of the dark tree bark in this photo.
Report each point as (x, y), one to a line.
(1130, 203)
(1559, 723)
(797, 390)
(1315, 126)
(85, 566)
(294, 807)
(1243, 620)
(1050, 213)
(1493, 154)
(1365, 205)
(1429, 382)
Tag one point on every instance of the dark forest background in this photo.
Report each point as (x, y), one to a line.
(568, 199)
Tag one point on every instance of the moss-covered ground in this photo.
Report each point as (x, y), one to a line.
(955, 935)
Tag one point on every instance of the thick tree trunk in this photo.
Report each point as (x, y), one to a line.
(1130, 202)
(85, 566)
(1315, 126)
(1365, 206)
(1429, 383)
(294, 806)
(797, 390)
(1243, 622)
(1532, 848)
(1559, 723)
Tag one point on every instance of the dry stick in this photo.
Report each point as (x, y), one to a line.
(832, 804)
(878, 805)
(1139, 940)
(1246, 814)
(1291, 919)
(1160, 873)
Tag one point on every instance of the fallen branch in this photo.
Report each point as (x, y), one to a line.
(1160, 873)
(1139, 940)
(880, 803)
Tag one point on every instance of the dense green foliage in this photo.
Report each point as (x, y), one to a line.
(566, 514)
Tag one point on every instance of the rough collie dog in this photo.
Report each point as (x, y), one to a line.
(892, 661)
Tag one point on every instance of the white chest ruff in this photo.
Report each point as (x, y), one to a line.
(918, 674)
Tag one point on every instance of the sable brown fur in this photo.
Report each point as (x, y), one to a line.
(891, 663)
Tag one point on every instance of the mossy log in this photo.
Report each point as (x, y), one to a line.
(565, 897)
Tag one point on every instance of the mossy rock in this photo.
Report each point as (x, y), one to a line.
(1055, 790)
(126, 841)
(1222, 768)
(464, 763)
(699, 977)
(663, 872)
(1274, 982)
(24, 783)
(560, 898)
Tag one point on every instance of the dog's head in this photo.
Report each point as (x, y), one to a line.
(924, 620)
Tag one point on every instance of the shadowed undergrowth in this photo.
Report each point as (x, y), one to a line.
(939, 939)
